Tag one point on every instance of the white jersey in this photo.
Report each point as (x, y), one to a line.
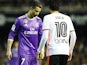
(59, 26)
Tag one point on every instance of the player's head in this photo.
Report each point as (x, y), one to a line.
(53, 4)
(35, 8)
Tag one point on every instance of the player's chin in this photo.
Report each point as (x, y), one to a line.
(36, 14)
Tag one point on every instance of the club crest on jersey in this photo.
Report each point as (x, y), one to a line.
(25, 22)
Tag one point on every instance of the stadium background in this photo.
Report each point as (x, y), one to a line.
(76, 9)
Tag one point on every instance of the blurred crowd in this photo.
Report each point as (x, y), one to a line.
(26, 2)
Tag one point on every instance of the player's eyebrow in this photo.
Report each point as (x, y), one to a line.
(36, 10)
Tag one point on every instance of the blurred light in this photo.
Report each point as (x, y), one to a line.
(2, 19)
(79, 19)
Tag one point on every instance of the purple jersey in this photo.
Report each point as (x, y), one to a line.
(15, 52)
(28, 31)
(14, 60)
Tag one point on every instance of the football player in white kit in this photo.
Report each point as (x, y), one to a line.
(59, 33)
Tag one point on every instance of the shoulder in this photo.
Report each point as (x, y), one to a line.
(18, 19)
(38, 18)
(21, 17)
(65, 16)
(47, 16)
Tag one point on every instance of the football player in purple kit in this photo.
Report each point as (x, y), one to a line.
(14, 59)
(29, 29)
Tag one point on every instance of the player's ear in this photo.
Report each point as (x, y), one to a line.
(30, 8)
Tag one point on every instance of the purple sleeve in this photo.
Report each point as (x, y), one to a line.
(40, 29)
(14, 29)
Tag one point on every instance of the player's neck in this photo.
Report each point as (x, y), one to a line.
(54, 11)
(30, 16)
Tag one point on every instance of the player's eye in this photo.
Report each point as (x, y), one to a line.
(36, 11)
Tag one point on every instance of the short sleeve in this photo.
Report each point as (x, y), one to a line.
(40, 27)
(14, 29)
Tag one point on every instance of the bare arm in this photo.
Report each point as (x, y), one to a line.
(9, 45)
(14, 29)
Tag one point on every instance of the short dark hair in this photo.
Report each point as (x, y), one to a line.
(54, 4)
(34, 4)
